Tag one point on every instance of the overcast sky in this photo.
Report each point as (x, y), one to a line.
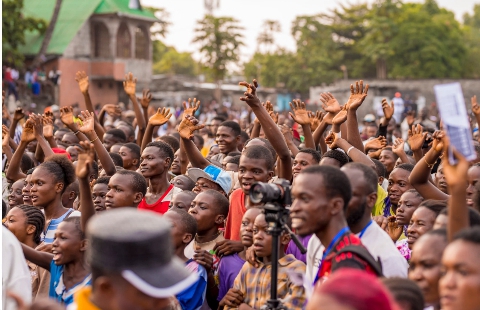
(252, 14)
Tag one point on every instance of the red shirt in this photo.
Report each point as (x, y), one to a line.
(235, 215)
(161, 206)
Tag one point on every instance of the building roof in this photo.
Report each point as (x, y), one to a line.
(73, 14)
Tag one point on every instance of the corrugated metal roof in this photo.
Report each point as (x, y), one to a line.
(73, 14)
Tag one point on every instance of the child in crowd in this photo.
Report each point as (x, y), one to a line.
(230, 265)
(182, 201)
(99, 193)
(26, 223)
(184, 228)
(66, 264)
(247, 296)
(125, 189)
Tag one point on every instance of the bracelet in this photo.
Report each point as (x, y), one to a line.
(76, 133)
(428, 165)
(94, 140)
(349, 149)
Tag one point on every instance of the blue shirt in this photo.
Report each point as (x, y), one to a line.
(48, 235)
(57, 288)
(193, 297)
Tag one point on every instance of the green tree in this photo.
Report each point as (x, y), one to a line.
(13, 32)
(266, 36)
(167, 60)
(471, 31)
(220, 39)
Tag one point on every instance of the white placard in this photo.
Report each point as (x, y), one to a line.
(451, 105)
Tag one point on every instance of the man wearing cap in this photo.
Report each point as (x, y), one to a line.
(133, 264)
(211, 177)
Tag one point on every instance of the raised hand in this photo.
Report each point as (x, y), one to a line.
(455, 175)
(112, 109)
(82, 79)
(86, 157)
(438, 141)
(332, 139)
(161, 117)
(357, 95)
(88, 122)
(341, 117)
(329, 103)
(28, 134)
(5, 135)
(315, 119)
(47, 126)
(376, 144)
(66, 115)
(192, 107)
(37, 122)
(286, 132)
(393, 229)
(188, 126)
(250, 96)
(147, 97)
(300, 113)
(130, 84)
(410, 118)
(268, 106)
(18, 114)
(274, 116)
(398, 146)
(416, 137)
(388, 109)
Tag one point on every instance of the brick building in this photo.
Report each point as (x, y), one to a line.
(104, 38)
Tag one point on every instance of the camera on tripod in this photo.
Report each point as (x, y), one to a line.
(278, 192)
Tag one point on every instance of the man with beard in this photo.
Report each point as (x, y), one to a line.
(363, 180)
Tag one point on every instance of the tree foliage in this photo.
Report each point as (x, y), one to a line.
(14, 26)
(219, 39)
(167, 60)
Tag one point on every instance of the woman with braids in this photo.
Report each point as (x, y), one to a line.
(26, 223)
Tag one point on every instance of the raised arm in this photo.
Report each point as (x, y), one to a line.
(334, 141)
(66, 116)
(87, 129)
(38, 131)
(272, 132)
(40, 258)
(158, 119)
(129, 85)
(419, 177)
(13, 172)
(456, 178)
(302, 117)
(17, 116)
(287, 134)
(388, 110)
(357, 96)
(86, 157)
(398, 148)
(145, 102)
(186, 130)
(416, 138)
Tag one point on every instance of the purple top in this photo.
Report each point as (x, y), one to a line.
(228, 270)
(295, 251)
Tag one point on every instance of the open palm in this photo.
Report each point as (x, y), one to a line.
(88, 122)
(192, 107)
(86, 156)
(357, 95)
(82, 80)
(300, 114)
(340, 118)
(130, 84)
(66, 115)
(188, 126)
(28, 134)
(161, 117)
(416, 137)
(147, 97)
(388, 109)
(329, 103)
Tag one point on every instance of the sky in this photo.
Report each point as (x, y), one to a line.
(252, 14)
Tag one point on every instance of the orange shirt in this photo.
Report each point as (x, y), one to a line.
(235, 215)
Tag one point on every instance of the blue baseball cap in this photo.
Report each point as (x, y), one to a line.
(214, 174)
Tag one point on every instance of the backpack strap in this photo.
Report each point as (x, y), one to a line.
(362, 252)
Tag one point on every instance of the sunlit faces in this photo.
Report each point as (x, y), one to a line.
(226, 139)
(44, 187)
(302, 160)
(16, 222)
(407, 204)
(68, 245)
(460, 281)
(252, 170)
(398, 184)
(120, 192)
(387, 158)
(246, 227)
(129, 159)
(421, 222)
(27, 185)
(99, 194)
(473, 176)
(153, 162)
(425, 266)
(15, 196)
(182, 201)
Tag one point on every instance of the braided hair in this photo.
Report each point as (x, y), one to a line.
(34, 217)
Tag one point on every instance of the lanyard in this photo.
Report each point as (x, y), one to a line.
(364, 229)
(329, 249)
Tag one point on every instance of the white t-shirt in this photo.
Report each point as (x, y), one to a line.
(377, 242)
(15, 273)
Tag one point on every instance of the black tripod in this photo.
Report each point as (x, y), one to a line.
(276, 216)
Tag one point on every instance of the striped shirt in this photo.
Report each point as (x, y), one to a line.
(48, 234)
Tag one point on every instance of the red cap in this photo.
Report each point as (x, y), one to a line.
(57, 150)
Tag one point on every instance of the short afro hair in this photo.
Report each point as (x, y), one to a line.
(405, 291)
(380, 168)
(267, 143)
(436, 206)
(187, 221)
(244, 136)
(61, 168)
(219, 118)
(102, 180)
(234, 126)
(26, 163)
(234, 160)
(315, 154)
(117, 159)
(78, 225)
(335, 182)
(201, 141)
(471, 235)
(407, 167)
(370, 176)
(118, 135)
(340, 156)
(389, 149)
(221, 202)
(139, 184)
(134, 148)
(170, 140)
(165, 149)
(259, 152)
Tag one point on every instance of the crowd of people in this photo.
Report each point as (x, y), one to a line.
(101, 211)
